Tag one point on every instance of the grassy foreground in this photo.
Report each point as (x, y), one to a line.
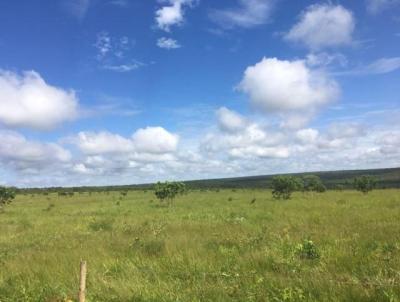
(209, 246)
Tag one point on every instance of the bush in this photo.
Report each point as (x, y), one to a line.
(7, 195)
(365, 183)
(312, 183)
(307, 250)
(167, 191)
(284, 186)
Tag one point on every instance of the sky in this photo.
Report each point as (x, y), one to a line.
(101, 92)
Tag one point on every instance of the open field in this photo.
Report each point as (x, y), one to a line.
(209, 246)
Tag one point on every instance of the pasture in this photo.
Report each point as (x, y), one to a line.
(220, 245)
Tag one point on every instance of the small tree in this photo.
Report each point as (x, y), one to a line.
(167, 191)
(365, 183)
(312, 183)
(284, 186)
(6, 196)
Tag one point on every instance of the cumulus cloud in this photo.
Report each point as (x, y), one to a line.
(345, 130)
(168, 43)
(102, 143)
(240, 138)
(323, 25)
(229, 120)
(249, 13)
(29, 156)
(155, 140)
(150, 140)
(377, 6)
(172, 14)
(275, 85)
(307, 136)
(28, 101)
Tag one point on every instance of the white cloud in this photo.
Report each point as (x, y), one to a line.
(323, 59)
(30, 156)
(155, 140)
(250, 13)
(168, 43)
(345, 130)
(103, 44)
(323, 25)
(239, 138)
(260, 152)
(307, 136)
(112, 53)
(123, 67)
(377, 6)
(389, 142)
(28, 101)
(287, 86)
(102, 143)
(172, 14)
(150, 140)
(229, 120)
(380, 66)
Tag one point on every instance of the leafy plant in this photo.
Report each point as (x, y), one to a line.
(284, 186)
(167, 191)
(7, 195)
(307, 250)
(312, 183)
(365, 183)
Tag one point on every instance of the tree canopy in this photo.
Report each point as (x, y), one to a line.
(284, 186)
(167, 191)
(6, 196)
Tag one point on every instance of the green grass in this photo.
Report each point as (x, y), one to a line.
(209, 246)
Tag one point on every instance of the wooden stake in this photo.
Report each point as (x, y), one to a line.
(82, 282)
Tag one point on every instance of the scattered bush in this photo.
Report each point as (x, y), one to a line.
(365, 183)
(312, 183)
(284, 186)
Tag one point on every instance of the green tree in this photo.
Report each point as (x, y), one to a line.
(284, 186)
(312, 183)
(365, 183)
(6, 196)
(167, 191)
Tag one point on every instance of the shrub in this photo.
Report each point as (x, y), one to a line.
(284, 186)
(7, 195)
(167, 191)
(365, 183)
(307, 250)
(312, 183)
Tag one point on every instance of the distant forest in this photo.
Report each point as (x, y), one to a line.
(338, 180)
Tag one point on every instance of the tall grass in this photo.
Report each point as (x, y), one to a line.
(209, 246)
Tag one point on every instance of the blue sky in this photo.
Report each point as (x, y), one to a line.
(129, 91)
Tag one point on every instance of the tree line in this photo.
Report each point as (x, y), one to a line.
(282, 188)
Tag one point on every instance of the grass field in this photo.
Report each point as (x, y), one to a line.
(209, 246)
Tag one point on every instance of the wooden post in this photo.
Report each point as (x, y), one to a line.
(82, 282)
